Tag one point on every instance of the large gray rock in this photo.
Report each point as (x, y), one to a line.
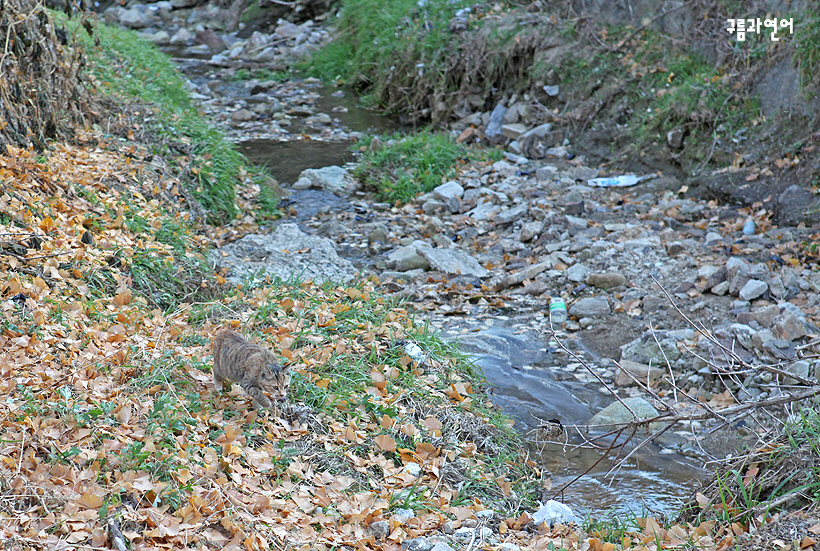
(334, 179)
(527, 273)
(509, 216)
(590, 307)
(607, 280)
(645, 349)
(137, 16)
(753, 289)
(448, 190)
(641, 372)
(285, 253)
(452, 261)
(496, 121)
(406, 258)
(616, 413)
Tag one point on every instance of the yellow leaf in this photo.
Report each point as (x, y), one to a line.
(123, 298)
(90, 501)
(47, 224)
(385, 443)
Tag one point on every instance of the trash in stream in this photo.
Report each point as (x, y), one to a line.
(553, 513)
(624, 180)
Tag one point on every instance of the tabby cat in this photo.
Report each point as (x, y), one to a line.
(252, 366)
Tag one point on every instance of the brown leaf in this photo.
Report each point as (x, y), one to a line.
(385, 443)
(90, 500)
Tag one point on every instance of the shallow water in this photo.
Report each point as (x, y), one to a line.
(528, 386)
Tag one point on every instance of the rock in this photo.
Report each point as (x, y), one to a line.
(452, 261)
(721, 288)
(483, 211)
(674, 248)
(211, 39)
(800, 369)
(645, 349)
(378, 234)
(794, 205)
(574, 221)
(508, 216)
(617, 413)
(577, 273)
(286, 253)
(182, 36)
(788, 327)
(403, 515)
(574, 208)
(242, 115)
(407, 258)
(531, 230)
(493, 130)
(527, 273)
(545, 173)
(641, 372)
(584, 173)
(714, 277)
(137, 16)
(753, 289)
(379, 529)
(431, 205)
(675, 138)
(551, 90)
(417, 544)
(286, 29)
(513, 130)
(334, 179)
(590, 307)
(441, 546)
(744, 334)
(447, 191)
(777, 289)
(606, 281)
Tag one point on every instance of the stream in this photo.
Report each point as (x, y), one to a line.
(530, 378)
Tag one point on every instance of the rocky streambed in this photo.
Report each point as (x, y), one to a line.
(688, 295)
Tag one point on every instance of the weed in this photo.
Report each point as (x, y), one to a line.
(407, 166)
(124, 64)
(807, 42)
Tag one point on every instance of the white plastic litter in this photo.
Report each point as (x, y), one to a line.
(553, 513)
(625, 180)
(415, 352)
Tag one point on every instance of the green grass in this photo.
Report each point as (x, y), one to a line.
(807, 42)
(125, 65)
(407, 166)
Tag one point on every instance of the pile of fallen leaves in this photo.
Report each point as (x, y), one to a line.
(42, 92)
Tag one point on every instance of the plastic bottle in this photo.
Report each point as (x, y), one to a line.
(558, 311)
(749, 226)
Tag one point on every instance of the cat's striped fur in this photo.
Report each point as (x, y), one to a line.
(252, 366)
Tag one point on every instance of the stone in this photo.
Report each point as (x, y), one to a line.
(715, 277)
(674, 248)
(333, 179)
(712, 238)
(285, 253)
(510, 215)
(452, 261)
(753, 289)
(286, 29)
(765, 315)
(530, 230)
(513, 130)
(721, 288)
(744, 334)
(242, 115)
(651, 303)
(407, 258)
(379, 529)
(448, 190)
(617, 413)
(545, 173)
(493, 129)
(527, 273)
(574, 208)
(182, 36)
(641, 372)
(645, 348)
(551, 90)
(788, 327)
(430, 206)
(574, 221)
(800, 369)
(441, 546)
(577, 273)
(378, 234)
(777, 289)
(483, 211)
(417, 544)
(137, 16)
(583, 173)
(590, 307)
(606, 280)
